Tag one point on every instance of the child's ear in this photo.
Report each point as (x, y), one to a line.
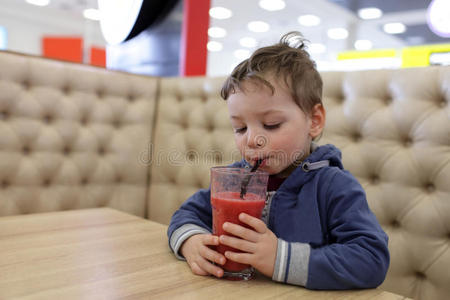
(317, 120)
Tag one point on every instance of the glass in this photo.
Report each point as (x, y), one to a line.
(226, 184)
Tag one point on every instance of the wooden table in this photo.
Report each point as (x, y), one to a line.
(106, 254)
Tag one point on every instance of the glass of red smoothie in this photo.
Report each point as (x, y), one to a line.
(227, 204)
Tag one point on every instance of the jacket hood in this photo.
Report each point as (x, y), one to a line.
(327, 152)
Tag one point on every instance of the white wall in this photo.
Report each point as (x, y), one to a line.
(27, 24)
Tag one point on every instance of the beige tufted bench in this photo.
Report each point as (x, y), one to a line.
(71, 136)
(74, 136)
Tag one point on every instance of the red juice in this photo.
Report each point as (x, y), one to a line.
(226, 207)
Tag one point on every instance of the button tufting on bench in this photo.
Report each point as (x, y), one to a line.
(5, 184)
(420, 275)
(192, 156)
(407, 142)
(429, 187)
(356, 137)
(84, 120)
(4, 115)
(26, 150)
(100, 94)
(117, 123)
(66, 150)
(375, 179)
(48, 119)
(26, 84)
(46, 182)
(66, 90)
(395, 223)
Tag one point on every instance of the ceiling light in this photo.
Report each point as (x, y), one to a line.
(438, 17)
(337, 33)
(217, 32)
(258, 26)
(91, 14)
(370, 13)
(440, 58)
(309, 20)
(39, 2)
(241, 54)
(220, 13)
(214, 46)
(248, 42)
(394, 28)
(316, 48)
(363, 45)
(272, 5)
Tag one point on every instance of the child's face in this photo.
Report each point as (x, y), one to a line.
(269, 127)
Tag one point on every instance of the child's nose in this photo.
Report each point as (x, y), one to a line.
(256, 140)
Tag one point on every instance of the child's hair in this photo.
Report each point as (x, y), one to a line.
(288, 60)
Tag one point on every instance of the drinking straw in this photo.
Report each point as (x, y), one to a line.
(247, 178)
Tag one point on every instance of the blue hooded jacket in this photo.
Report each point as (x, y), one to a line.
(328, 238)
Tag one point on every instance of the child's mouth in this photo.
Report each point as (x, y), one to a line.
(262, 164)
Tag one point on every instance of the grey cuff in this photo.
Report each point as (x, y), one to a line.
(291, 265)
(181, 234)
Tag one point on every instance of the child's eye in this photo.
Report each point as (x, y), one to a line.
(240, 130)
(272, 126)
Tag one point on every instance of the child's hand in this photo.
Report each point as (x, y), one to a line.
(199, 256)
(259, 245)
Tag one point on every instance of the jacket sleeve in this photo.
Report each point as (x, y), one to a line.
(193, 217)
(356, 255)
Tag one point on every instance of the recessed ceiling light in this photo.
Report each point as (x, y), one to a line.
(217, 32)
(272, 5)
(39, 2)
(220, 13)
(91, 14)
(241, 54)
(214, 46)
(316, 48)
(248, 42)
(258, 26)
(370, 13)
(337, 33)
(309, 20)
(394, 28)
(363, 45)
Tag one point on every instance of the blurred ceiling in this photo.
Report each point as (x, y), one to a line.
(332, 14)
(417, 31)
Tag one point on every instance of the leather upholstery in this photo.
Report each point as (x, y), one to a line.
(393, 128)
(192, 133)
(74, 136)
(71, 136)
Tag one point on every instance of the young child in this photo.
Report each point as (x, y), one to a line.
(317, 230)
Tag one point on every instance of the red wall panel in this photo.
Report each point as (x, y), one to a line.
(194, 37)
(63, 48)
(97, 57)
